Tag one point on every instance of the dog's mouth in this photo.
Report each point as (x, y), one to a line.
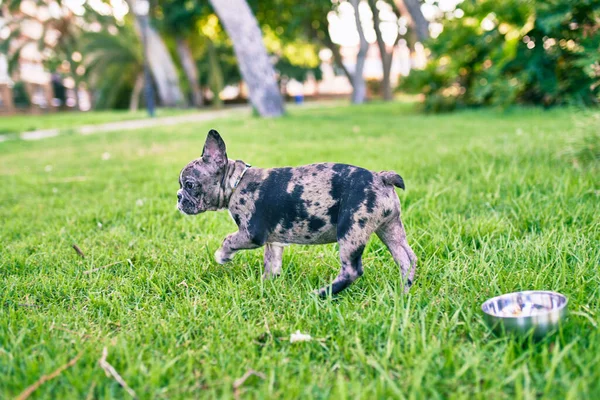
(181, 210)
(187, 207)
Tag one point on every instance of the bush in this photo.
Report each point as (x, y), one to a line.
(584, 147)
(20, 96)
(374, 87)
(512, 51)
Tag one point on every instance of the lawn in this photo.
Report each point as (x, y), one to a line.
(67, 120)
(494, 203)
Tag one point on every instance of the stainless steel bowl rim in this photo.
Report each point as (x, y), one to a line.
(491, 299)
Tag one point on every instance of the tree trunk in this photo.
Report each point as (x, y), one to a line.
(190, 69)
(160, 61)
(215, 78)
(411, 9)
(49, 95)
(254, 63)
(7, 98)
(76, 93)
(337, 56)
(360, 89)
(134, 101)
(386, 58)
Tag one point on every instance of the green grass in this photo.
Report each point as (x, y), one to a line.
(68, 120)
(492, 205)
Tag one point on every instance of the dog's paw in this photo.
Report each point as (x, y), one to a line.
(220, 257)
(322, 293)
(407, 286)
(271, 275)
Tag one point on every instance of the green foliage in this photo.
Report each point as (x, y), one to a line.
(294, 34)
(20, 96)
(219, 65)
(178, 17)
(300, 73)
(513, 51)
(373, 87)
(113, 62)
(292, 23)
(489, 208)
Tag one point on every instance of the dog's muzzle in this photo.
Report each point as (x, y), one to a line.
(187, 205)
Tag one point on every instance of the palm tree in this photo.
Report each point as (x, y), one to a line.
(113, 62)
(178, 19)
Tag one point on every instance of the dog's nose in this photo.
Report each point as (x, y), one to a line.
(179, 196)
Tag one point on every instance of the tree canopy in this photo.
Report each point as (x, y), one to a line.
(512, 51)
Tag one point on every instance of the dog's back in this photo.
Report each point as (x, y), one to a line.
(317, 203)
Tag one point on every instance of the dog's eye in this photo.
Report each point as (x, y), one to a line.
(189, 185)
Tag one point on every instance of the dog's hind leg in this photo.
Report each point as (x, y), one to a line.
(352, 244)
(272, 259)
(393, 235)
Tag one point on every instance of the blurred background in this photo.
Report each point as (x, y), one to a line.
(81, 55)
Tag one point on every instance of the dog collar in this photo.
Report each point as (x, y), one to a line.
(237, 182)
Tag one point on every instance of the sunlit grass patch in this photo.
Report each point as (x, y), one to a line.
(491, 206)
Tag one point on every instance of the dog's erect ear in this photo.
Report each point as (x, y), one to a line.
(214, 149)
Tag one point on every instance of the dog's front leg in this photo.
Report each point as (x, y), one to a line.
(232, 244)
(273, 259)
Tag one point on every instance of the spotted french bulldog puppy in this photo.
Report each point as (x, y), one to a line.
(311, 204)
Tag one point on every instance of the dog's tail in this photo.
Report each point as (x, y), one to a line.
(392, 178)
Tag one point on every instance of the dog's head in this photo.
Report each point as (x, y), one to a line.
(201, 180)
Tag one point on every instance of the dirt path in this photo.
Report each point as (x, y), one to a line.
(200, 116)
(132, 124)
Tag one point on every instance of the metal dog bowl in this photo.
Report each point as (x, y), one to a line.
(524, 312)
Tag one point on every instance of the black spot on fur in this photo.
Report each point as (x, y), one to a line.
(356, 255)
(315, 223)
(236, 218)
(317, 204)
(275, 206)
(350, 188)
(314, 174)
(333, 212)
(320, 167)
(371, 198)
(250, 187)
(307, 236)
(362, 222)
(386, 213)
(242, 201)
